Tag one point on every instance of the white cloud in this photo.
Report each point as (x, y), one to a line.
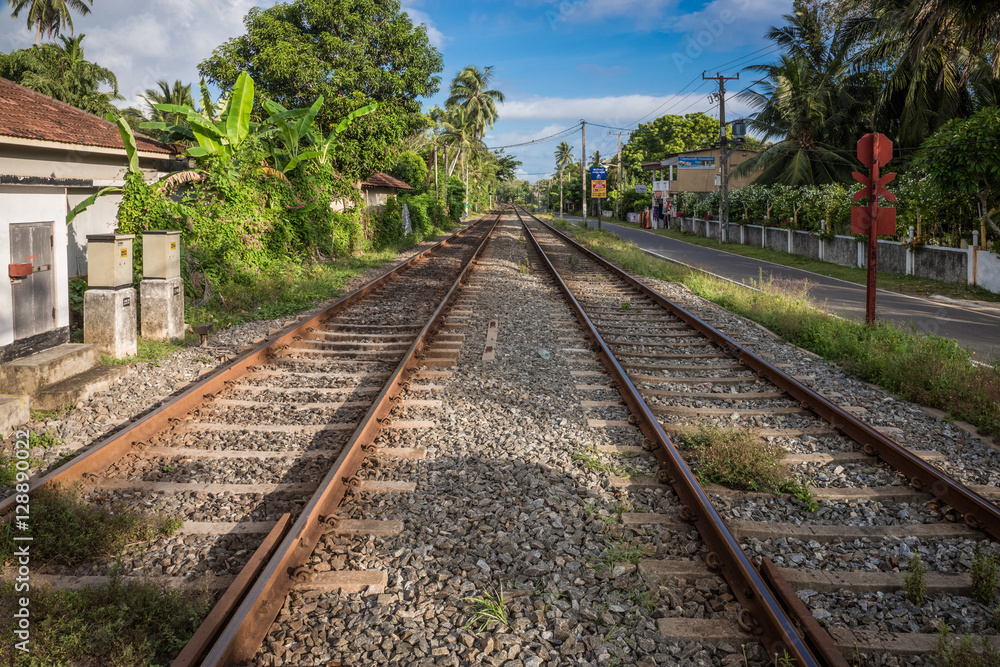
(436, 37)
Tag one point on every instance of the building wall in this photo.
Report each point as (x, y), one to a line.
(100, 218)
(703, 180)
(33, 204)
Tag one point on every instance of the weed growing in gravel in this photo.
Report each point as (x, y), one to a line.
(168, 468)
(984, 575)
(739, 459)
(924, 368)
(117, 623)
(591, 460)
(43, 440)
(626, 305)
(621, 551)
(915, 581)
(68, 530)
(524, 267)
(966, 652)
(574, 261)
(644, 597)
(8, 469)
(42, 415)
(488, 608)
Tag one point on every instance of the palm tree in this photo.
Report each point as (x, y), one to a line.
(564, 156)
(808, 102)
(50, 17)
(178, 94)
(62, 72)
(469, 90)
(460, 134)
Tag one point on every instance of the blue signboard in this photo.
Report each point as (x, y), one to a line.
(696, 162)
(598, 174)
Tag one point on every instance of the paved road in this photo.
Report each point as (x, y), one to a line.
(973, 329)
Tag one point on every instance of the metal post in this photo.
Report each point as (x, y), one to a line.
(873, 238)
(583, 174)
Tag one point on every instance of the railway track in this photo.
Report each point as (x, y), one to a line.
(256, 457)
(788, 562)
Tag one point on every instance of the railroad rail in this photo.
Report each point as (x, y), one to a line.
(386, 325)
(769, 602)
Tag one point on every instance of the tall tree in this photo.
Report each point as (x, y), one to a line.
(564, 156)
(807, 102)
(178, 94)
(470, 91)
(50, 17)
(353, 53)
(62, 72)
(668, 134)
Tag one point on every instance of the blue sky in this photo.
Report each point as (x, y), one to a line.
(558, 61)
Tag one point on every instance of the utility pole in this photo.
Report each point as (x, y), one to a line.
(723, 145)
(437, 191)
(620, 175)
(583, 173)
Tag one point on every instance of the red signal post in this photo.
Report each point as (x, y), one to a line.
(874, 150)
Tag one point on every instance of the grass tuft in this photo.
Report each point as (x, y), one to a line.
(966, 652)
(915, 581)
(984, 576)
(488, 608)
(116, 624)
(67, 530)
(740, 459)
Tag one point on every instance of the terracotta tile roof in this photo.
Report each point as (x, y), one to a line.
(25, 114)
(380, 180)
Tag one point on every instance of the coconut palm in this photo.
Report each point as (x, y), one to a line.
(469, 90)
(564, 156)
(178, 94)
(459, 133)
(809, 103)
(61, 71)
(50, 17)
(950, 25)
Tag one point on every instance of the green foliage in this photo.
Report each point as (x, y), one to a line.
(351, 52)
(985, 576)
(962, 156)
(67, 530)
(490, 607)
(915, 581)
(966, 652)
(665, 135)
(739, 459)
(119, 624)
(62, 72)
(411, 169)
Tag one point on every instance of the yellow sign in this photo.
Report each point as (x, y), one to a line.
(124, 252)
(173, 246)
(599, 189)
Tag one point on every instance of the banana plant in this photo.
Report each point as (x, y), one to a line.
(291, 126)
(218, 132)
(325, 144)
(131, 151)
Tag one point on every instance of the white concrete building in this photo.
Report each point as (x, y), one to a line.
(52, 156)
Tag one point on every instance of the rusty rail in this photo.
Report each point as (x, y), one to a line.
(761, 613)
(112, 448)
(245, 632)
(978, 512)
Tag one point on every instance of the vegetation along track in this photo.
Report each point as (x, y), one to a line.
(256, 458)
(860, 504)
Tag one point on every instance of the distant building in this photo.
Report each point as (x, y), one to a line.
(380, 187)
(695, 171)
(52, 157)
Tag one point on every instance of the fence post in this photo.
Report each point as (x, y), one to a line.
(974, 258)
(822, 243)
(911, 255)
(789, 241)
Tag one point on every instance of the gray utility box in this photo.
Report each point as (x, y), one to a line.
(109, 261)
(161, 255)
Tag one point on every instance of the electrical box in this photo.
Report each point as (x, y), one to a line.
(109, 261)
(161, 255)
